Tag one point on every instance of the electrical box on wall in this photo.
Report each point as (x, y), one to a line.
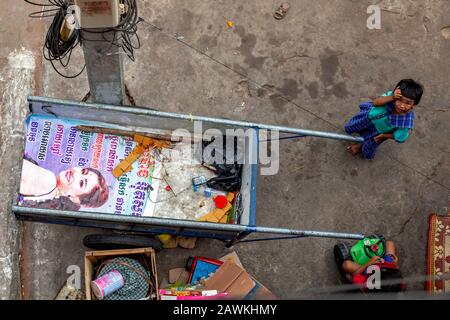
(99, 13)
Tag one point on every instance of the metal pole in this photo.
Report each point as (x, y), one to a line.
(161, 222)
(104, 66)
(180, 116)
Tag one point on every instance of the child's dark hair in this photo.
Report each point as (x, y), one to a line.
(411, 89)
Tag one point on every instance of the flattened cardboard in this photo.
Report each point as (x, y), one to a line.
(232, 279)
(233, 257)
(259, 293)
(178, 275)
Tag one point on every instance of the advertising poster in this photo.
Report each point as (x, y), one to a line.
(68, 169)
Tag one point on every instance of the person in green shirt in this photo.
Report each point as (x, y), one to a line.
(390, 116)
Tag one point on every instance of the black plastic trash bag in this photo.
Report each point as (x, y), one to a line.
(228, 170)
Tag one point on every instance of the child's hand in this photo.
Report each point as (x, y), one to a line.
(397, 94)
(379, 138)
(376, 259)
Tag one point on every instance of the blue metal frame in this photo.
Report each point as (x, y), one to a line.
(252, 221)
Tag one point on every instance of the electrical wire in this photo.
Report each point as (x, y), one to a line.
(125, 33)
(51, 3)
(59, 52)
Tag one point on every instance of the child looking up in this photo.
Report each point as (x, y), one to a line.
(390, 116)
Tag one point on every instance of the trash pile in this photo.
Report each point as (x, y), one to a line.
(213, 279)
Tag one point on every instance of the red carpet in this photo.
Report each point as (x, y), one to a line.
(438, 253)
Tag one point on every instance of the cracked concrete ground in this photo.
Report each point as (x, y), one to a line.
(309, 70)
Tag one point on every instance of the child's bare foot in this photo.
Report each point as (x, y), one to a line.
(354, 148)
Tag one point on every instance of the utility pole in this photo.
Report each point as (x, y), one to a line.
(102, 24)
(104, 66)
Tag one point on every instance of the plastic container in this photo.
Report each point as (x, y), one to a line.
(107, 284)
(197, 182)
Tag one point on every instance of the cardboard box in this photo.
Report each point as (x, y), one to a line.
(232, 279)
(93, 259)
(259, 291)
(233, 257)
(180, 275)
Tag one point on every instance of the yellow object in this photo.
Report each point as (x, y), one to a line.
(164, 237)
(66, 31)
(210, 217)
(224, 219)
(126, 165)
(230, 24)
(144, 143)
(213, 216)
(230, 196)
(218, 213)
(168, 242)
(147, 142)
(227, 208)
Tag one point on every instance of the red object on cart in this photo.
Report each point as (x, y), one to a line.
(221, 202)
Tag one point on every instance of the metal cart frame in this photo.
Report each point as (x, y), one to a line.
(230, 233)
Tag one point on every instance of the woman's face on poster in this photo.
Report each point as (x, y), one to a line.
(75, 182)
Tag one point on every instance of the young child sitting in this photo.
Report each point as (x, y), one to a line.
(390, 116)
(390, 275)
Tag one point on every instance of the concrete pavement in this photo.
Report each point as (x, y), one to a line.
(309, 70)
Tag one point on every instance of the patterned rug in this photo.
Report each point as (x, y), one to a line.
(438, 253)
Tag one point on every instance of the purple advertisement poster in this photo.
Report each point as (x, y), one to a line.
(68, 169)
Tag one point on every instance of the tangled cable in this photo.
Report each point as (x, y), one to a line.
(58, 50)
(125, 34)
